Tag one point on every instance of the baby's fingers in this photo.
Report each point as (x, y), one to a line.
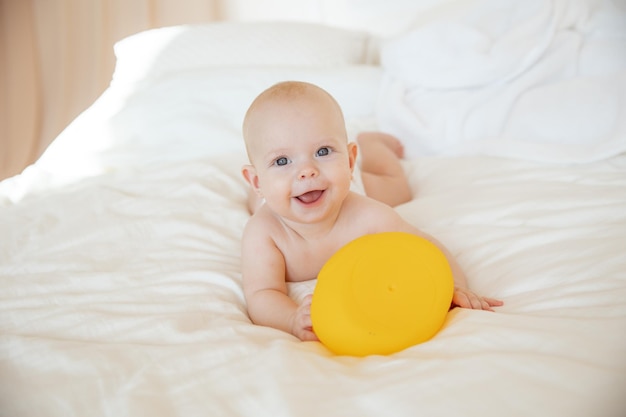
(304, 324)
(467, 299)
(307, 300)
(309, 336)
(484, 305)
(493, 302)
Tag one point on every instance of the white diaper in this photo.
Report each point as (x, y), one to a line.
(298, 290)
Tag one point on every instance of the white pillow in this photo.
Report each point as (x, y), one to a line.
(191, 114)
(151, 54)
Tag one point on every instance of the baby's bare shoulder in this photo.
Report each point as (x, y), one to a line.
(260, 226)
(362, 205)
(376, 215)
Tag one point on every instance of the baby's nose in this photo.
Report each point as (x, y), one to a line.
(308, 172)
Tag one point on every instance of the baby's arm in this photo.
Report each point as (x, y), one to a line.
(463, 296)
(265, 288)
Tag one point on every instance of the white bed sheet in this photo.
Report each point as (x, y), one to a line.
(121, 290)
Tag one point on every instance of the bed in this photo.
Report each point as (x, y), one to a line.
(120, 247)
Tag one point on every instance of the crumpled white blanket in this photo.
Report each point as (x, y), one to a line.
(539, 80)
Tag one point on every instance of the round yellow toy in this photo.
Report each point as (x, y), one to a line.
(381, 293)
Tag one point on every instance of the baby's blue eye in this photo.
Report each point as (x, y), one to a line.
(323, 151)
(281, 161)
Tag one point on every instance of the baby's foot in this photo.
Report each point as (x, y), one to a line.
(389, 141)
(394, 144)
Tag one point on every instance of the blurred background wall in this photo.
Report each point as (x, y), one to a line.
(56, 56)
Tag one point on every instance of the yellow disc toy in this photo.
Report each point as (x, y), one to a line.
(381, 293)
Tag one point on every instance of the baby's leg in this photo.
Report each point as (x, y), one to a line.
(383, 176)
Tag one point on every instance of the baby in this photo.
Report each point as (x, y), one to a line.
(301, 166)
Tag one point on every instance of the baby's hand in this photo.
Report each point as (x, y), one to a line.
(302, 326)
(465, 298)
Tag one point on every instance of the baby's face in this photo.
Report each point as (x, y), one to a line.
(302, 163)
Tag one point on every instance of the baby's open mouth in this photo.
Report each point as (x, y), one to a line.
(311, 196)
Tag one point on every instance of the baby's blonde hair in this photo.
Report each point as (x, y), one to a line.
(284, 90)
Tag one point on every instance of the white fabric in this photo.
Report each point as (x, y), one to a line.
(121, 285)
(539, 80)
(121, 295)
(158, 52)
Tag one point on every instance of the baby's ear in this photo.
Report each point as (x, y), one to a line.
(251, 177)
(353, 151)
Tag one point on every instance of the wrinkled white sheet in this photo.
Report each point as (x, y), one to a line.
(120, 288)
(121, 296)
(540, 80)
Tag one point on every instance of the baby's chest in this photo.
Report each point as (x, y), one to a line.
(306, 263)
